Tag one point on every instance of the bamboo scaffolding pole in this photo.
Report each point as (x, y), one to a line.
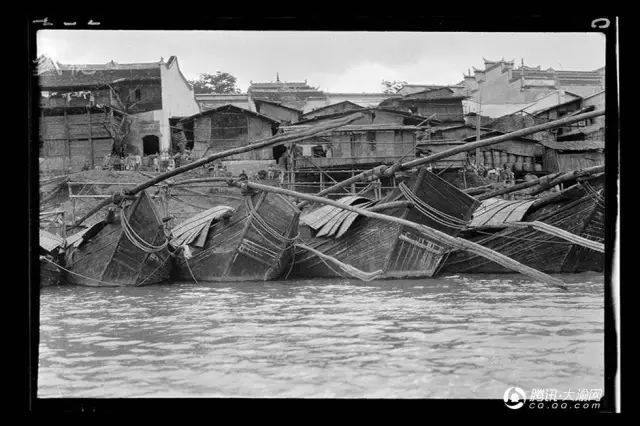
(103, 183)
(550, 230)
(575, 174)
(290, 138)
(455, 242)
(561, 233)
(477, 189)
(517, 187)
(388, 171)
(199, 180)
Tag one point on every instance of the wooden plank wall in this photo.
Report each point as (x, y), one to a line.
(71, 140)
(230, 130)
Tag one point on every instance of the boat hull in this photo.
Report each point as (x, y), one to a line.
(110, 258)
(583, 215)
(240, 248)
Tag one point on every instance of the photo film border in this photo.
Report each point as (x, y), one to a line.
(415, 22)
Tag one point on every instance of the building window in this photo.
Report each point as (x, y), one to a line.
(137, 94)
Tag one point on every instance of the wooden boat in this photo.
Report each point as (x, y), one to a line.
(580, 259)
(127, 248)
(390, 250)
(51, 258)
(577, 210)
(252, 243)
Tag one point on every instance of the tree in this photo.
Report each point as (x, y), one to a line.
(220, 82)
(119, 130)
(391, 87)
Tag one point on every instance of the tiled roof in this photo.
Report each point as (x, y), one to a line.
(83, 76)
(565, 77)
(220, 96)
(333, 105)
(233, 108)
(551, 107)
(278, 104)
(438, 93)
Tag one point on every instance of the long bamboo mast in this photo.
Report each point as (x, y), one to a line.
(545, 182)
(560, 233)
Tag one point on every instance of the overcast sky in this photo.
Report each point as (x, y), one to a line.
(332, 61)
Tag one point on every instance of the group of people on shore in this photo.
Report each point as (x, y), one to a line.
(503, 175)
(156, 162)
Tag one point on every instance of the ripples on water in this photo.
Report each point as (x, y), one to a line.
(453, 337)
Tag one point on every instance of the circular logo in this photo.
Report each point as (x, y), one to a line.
(514, 398)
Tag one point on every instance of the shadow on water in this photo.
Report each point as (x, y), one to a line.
(456, 336)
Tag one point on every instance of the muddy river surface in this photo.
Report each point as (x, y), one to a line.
(451, 337)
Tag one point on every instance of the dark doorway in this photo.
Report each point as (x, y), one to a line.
(150, 145)
(279, 151)
(188, 133)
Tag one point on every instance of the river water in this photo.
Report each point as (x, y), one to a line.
(451, 337)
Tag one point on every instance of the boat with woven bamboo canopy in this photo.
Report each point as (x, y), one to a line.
(252, 243)
(127, 248)
(385, 249)
(578, 210)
